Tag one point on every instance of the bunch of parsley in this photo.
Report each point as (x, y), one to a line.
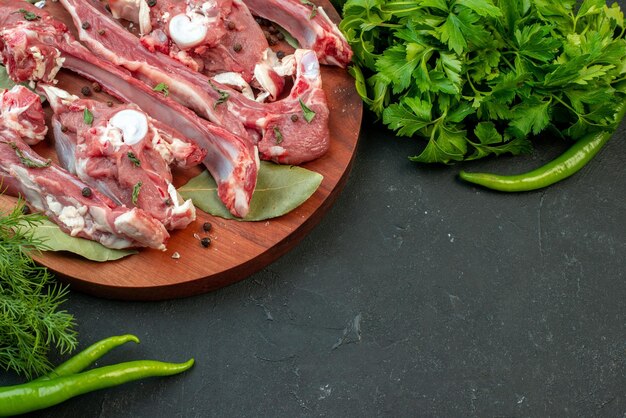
(481, 77)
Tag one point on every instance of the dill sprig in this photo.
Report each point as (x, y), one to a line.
(31, 322)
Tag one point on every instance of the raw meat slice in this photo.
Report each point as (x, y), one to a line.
(121, 152)
(211, 37)
(309, 25)
(281, 139)
(231, 160)
(22, 112)
(67, 201)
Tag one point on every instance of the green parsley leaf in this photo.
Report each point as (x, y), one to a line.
(162, 88)
(133, 159)
(87, 116)
(278, 135)
(28, 162)
(224, 95)
(136, 189)
(475, 78)
(30, 16)
(309, 115)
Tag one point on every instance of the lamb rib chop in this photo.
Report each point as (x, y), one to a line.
(309, 25)
(231, 159)
(211, 37)
(123, 153)
(69, 202)
(283, 129)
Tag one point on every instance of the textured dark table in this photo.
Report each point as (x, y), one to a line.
(416, 295)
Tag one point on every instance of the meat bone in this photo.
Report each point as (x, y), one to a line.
(231, 159)
(283, 130)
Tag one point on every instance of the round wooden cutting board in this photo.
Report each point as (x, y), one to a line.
(238, 249)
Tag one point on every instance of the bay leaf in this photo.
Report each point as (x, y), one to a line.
(56, 240)
(5, 82)
(279, 190)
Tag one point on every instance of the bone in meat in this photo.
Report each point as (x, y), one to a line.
(62, 197)
(281, 140)
(231, 160)
(122, 153)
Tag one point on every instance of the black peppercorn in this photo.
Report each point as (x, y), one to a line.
(86, 91)
(96, 87)
(280, 55)
(294, 118)
(206, 227)
(25, 210)
(86, 192)
(206, 241)
(152, 3)
(237, 47)
(85, 25)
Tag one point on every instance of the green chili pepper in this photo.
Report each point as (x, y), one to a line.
(35, 395)
(565, 165)
(69, 380)
(88, 356)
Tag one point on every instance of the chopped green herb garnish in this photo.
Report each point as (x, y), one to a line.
(136, 189)
(162, 88)
(223, 95)
(313, 5)
(278, 135)
(133, 159)
(87, 116)
(28, 15)
(308, 113)
(27, 161)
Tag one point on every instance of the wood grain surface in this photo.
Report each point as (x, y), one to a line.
(238, 249)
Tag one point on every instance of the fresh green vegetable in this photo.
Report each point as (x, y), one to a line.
(481, 77)
(279, 190)
(68, 380)
(560, 168)
(88, 356)
(31, 322)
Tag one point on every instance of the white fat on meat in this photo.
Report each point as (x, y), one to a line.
(180, 206)
(265, 71)
(136, 11)
(40, 70)
(236, 81)
(60, 97)
(73, 217)
(190, 29)
(129, 224)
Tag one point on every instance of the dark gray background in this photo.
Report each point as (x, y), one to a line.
(416, 295)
